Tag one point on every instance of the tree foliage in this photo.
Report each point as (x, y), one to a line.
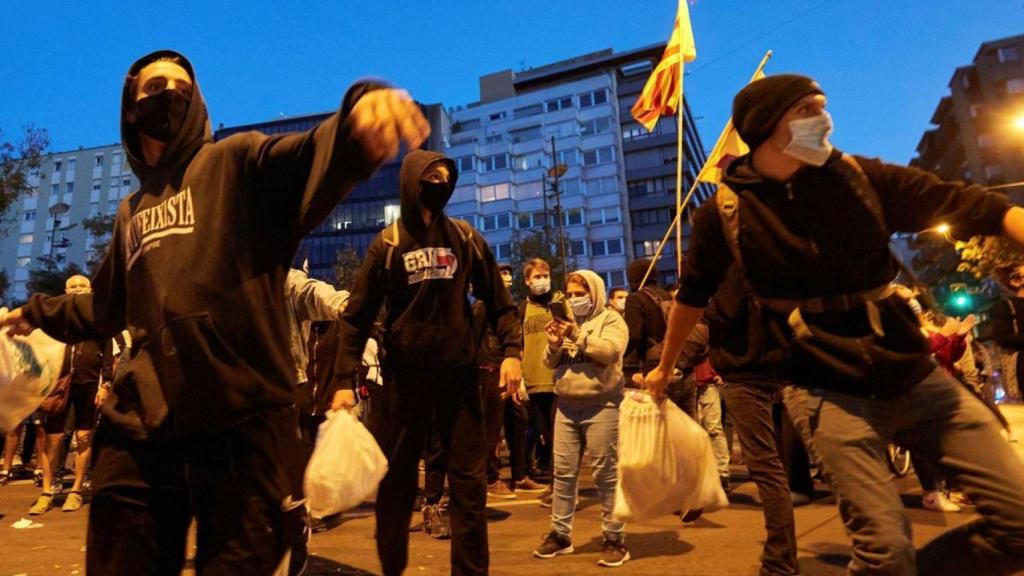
(17, 162)
(346, 265)
(985, 256)
(100, 228)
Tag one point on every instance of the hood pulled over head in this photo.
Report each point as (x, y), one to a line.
(417, 193)
(194, 127)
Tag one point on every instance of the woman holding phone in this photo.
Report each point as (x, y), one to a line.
(586, 342)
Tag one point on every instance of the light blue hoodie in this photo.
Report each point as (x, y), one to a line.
(588, 367)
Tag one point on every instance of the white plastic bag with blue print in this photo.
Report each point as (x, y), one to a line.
(29, 369)
(346, 467)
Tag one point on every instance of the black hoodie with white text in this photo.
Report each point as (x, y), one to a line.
(430, 322)
(197, 264)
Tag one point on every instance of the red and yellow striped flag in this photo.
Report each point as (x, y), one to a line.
(664, 88)
(728, 147)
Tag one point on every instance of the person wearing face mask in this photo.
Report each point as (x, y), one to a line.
(808, 226)
(423, 267)
(201, 422)
(538, 379)
(585, 350)
(617, 300)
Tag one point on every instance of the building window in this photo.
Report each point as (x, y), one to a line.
(527, 111)
(55, 189)
(567, 157)
(535, 220)
(465, 163)
(525, 134)
(596, 126)
(492, 163)
(1008, 54)
(576, 247)
(606, 185)
(126, 182)
(1015, 85)
(117, 159)
(588, 99)
(71, 165)
(94, 209)
(69, 187)
(24, 261)
(497, 116)
(650, 216)
(99, 161)
(608, 247)
(600, 155)
(466, 125)
(25, 239)
(502, 251)
(529, 190)
(558, 104)
(634, 130)
(57, 165)
(496, 222)
(573, 217)
(30, 216)
(528, 161)
(569, 186)
(95, 185)
(492, 138)
(605, 216)
(614, 279)
(112, 206)
(495, 192)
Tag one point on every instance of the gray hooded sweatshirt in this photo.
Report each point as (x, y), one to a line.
(588, 367)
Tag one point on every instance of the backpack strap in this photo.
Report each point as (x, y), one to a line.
(728, 203)
(391, 243)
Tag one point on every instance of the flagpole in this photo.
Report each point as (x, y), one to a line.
(679, 170)
(681, 204)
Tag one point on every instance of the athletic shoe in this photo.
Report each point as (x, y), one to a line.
(800, 499)
(37, 478)
(73, 503)
(613, 554)
(435, 522)
(936, 500)
(554, 544)
(959, 498)
(545, 500)
(42, 505)
(691, 516)
(5, 477)
(501, 491)
(528, 485)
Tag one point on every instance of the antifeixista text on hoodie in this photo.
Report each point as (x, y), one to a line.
(197, 264)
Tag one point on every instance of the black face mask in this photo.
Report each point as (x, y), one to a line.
(434, 195)
(162, 115)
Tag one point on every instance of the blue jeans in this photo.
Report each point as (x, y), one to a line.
(940, 420)
(595, 429)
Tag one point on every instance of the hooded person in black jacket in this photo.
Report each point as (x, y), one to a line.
(202, 421)
(422, 266)
(809, 227)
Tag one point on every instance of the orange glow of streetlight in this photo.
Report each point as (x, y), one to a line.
(1018, 122)
(942, 229)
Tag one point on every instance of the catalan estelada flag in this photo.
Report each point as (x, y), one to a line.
(664, 88)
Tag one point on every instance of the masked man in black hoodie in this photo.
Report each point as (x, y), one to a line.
(809, 228)
(201, 423)
(422, 267)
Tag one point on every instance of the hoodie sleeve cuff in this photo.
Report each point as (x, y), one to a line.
(514, 352)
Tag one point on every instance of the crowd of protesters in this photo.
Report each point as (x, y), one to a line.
(785, 331)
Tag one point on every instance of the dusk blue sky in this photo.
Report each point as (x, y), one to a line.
(883, 63)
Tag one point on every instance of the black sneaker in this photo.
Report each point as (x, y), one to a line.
(613, 554)
(435, 522)
(5, 477)
(554, 544)
(691, 516)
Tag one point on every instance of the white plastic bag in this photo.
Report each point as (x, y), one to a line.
(29, 369)
(346, 466)
(666, 463)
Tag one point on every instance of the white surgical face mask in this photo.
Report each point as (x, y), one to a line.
(619, 303)
(809, 143)
(581, 306)
(540, 286)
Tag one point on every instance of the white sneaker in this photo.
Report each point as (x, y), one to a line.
(936, 500)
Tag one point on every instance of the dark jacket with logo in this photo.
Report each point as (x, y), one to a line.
(197, 264)
(429, 324)
(814, 236)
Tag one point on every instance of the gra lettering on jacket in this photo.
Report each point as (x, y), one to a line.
(430, 264)
(174, 216)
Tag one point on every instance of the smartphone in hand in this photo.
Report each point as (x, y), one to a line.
(559, 310)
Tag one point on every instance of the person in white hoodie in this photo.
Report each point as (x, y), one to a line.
(586, 352)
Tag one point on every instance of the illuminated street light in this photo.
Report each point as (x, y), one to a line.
(1018, 122)
(942, 229)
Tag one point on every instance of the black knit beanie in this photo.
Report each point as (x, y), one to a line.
(760, 105)
(635, 273)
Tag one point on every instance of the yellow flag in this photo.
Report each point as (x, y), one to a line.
(663, 91)
(728, 147)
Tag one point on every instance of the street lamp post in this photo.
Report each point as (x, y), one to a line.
(56, 211)
(555, 172)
